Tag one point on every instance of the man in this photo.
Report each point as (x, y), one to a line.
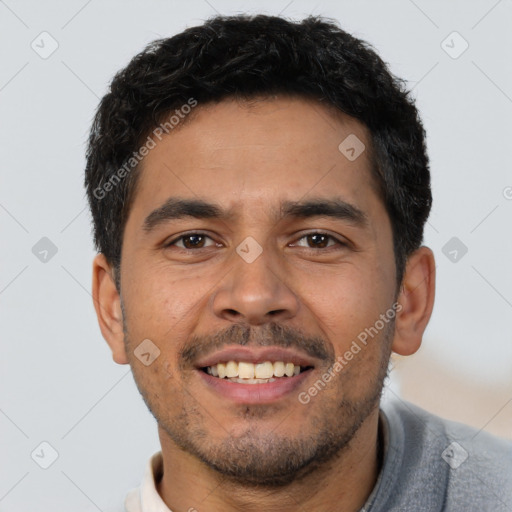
(259, 189)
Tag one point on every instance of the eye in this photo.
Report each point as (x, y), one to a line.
(318, 241)
(191, 241)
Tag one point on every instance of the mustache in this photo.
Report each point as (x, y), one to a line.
(271, 334)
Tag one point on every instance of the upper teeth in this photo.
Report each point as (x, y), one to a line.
(245, 370)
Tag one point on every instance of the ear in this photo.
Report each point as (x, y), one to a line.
(107, 304)
(416, 299)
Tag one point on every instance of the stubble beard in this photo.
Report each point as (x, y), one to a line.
(271, 459)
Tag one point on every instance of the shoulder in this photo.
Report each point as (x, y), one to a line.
(471, 467)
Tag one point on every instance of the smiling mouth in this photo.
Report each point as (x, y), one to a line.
(254, 373)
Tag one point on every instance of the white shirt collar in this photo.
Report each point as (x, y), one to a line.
(146, 497)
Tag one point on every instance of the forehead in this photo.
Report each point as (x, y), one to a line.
(254, 154)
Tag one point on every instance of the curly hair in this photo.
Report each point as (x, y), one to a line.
(245, 57)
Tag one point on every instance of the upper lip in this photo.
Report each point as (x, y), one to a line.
(255, 355)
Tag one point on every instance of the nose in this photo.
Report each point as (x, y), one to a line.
(255, 293)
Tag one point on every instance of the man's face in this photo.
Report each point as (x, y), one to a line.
(260, 276)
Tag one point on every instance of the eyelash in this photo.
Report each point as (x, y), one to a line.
(192, 233)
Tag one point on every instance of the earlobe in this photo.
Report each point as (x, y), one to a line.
(107, 304)
(416, 301)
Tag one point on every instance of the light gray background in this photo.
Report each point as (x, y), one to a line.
(57, 381)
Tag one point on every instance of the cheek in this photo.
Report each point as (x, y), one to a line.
(346, 302)
(159, 307)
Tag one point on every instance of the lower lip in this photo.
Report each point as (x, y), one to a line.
(255, 393)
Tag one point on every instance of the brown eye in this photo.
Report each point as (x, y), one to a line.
(318, 241)
(191, 241)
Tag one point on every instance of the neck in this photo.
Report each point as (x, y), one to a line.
(342, 484)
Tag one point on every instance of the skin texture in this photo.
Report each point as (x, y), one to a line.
(248, 158)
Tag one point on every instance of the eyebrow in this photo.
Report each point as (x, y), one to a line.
(176, 208)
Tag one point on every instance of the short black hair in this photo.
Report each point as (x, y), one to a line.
(245, 57)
